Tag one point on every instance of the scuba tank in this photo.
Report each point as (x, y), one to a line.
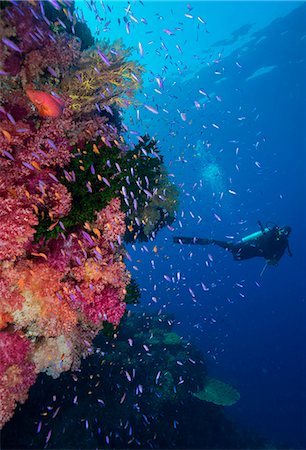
(256, 235)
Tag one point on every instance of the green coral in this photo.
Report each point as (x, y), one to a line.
(132, 295)
(166, 387)
(219, 393)
(101, 172)
(171, 339)
(160, 210)
(157, 197)
(89, 192)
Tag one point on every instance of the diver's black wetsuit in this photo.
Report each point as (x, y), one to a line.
(271, 245)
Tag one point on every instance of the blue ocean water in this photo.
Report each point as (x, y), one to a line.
(224, 95)
(238, 156)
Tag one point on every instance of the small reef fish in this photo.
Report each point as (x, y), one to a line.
(104, 58)
(11, 44)
(46, 104)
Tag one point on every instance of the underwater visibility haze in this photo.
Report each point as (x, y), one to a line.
(152, 257)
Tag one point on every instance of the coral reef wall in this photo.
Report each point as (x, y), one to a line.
(66, 202)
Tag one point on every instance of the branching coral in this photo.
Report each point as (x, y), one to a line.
(47, 144)
(103, 278)
(73, 286)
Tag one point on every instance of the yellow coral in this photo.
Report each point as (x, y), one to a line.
(95, 82)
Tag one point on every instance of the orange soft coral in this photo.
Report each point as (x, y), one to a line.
(43, 312)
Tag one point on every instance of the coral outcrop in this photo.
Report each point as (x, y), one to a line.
(63, 277)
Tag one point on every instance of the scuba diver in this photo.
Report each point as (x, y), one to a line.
(270, 243)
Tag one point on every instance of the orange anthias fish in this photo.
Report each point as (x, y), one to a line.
(47, 104)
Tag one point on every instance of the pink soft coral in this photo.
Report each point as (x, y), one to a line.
(16, 228)
(17, 373)
(58, 55)
(46, 194)
(11, 300)
(111, 221)
(104, 306)
(102, 291)
(50, 143)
